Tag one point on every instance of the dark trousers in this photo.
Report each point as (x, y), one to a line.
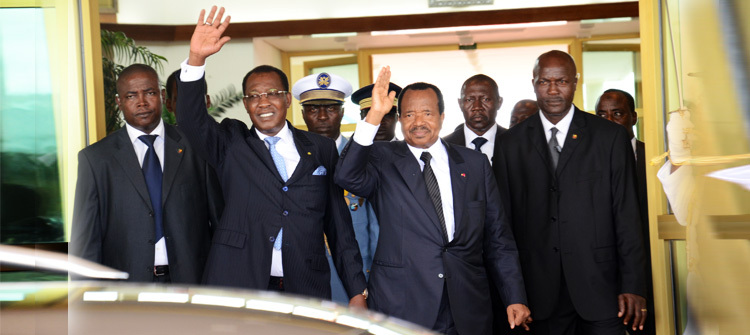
(276, 284)
(566, 321)
(444, 323)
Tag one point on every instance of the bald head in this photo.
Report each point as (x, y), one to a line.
(522, 110)
(555, 81)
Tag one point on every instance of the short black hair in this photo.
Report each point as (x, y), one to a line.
(483, 78)
(266, 69)
(628, 97)
(421, 87)
(133, 69)
(171, 84)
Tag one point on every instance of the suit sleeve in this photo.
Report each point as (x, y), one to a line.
(206, 136)
(355, 171)
(86, 232)
(630, 244)
(500, 249)
(340, 234)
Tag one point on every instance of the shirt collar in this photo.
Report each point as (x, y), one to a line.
(470, 135)
(135, 133)
(285, 134)
(338, 140)
(632, 141)
(437, 150)
(562, 126)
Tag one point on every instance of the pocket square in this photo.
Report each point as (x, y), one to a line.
(320, 171)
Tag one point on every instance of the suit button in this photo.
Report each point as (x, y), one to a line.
(553, 189)
(285, 188)
(445, 249)
(285, 213)
(556, 249)
(151, 214)
(440, 275)
(553, 219)
(272, 238)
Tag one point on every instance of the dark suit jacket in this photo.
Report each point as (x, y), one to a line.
(112, 215)
(640, 150)
(457, 137)
(411, 263)
(259, 203)
(581, 221)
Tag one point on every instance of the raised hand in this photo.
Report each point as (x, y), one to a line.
(207, 39)
(382, 100)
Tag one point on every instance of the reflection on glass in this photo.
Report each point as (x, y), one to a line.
(30, 192)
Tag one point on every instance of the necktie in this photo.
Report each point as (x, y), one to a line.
(434, 190)
(278, 160)
(153, 174)
(554, 147)
(478, 143)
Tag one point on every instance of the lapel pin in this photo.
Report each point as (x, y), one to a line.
(179, 151)
(575, 136)
(463, 175)
(309, 153)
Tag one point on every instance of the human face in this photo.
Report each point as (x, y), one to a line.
(171, 101)
(522, 111)
(323, 119)
(555, 86)
(614, 107)
(268, 113)
(387, 130)
(479, 103)
(140, 101)
(420, 118)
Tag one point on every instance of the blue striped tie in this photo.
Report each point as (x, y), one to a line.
(278, 160)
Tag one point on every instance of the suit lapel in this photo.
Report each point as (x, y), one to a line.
(125, 156)
(411, 174)
(173, 153)
(307, 154)
(576, 135)
(261, 151)
(458, 184)
(535, 131)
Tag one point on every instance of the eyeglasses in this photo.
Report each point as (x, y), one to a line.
(255, 97)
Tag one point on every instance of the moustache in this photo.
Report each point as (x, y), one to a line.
(418, 128)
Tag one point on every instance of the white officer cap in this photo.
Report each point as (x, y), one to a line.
(321, 86)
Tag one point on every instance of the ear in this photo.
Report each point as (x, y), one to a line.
(635, 118)
(118, 101)
(499, 103)
(288, 100)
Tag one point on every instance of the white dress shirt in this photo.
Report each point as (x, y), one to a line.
(489, 147)
(160, 248)
(285, 146)
(635, 151)
(364, 135)
(562, 126)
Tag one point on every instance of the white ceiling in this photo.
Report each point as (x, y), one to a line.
(174, 12)
(367, 41)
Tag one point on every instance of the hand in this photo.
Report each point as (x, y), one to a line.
(632, 306)
(519, 315)
(382, 100)
(358, 301)
(207, 39)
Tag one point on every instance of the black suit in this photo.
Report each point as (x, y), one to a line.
(260, 203)
(580, 222)
(457, 137)
(411, 263)
(640, 149)
(112, 220)
(500, 318)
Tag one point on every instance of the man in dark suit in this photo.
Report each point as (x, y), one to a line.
(568, 181)
(144, 198)
(442, 228)
(278, 182)
(619, 107)
(480, 100)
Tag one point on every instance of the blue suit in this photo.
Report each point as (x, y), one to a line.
(366, 230)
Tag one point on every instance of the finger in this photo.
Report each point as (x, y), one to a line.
(391, 96)
(217, 19)
(223, 41)
(629, 311)
(621, 306)
(200, 17)
(210, 17)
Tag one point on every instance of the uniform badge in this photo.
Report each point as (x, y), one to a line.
(324, 80)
